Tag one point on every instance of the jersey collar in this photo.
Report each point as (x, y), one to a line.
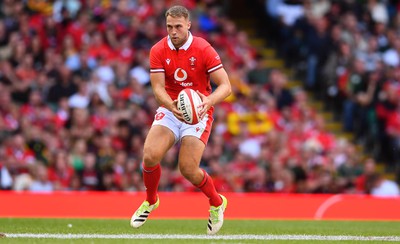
(185, 46)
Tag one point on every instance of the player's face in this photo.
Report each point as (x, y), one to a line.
(178, 30)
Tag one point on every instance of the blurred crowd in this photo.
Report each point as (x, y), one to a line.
(348, 54)
(76, 102)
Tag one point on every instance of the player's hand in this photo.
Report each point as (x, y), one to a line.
(204, 106)
(174, 109)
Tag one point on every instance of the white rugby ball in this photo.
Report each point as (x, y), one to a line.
(188, 102)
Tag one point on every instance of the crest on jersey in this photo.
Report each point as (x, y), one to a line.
(180, 75)
(159, 116)
(192, 61)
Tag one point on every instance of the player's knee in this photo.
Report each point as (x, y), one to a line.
(188, 172)
(150, 157)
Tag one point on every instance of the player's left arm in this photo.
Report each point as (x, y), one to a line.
(223, 90)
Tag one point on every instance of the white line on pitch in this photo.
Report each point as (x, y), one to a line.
(205, 237)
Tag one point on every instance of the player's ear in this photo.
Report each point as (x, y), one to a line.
(189, 24)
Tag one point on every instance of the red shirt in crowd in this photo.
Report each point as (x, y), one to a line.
(62, 177)
(393, 123)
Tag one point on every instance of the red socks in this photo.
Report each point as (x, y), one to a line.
(208, 188)
(151, 178)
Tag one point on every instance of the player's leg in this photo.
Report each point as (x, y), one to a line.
(190, 155)
(157, 143)
(159, 140)
(161, 137)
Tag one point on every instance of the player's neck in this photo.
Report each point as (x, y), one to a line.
(183, 43)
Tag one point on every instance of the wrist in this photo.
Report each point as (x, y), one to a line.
(170, 106)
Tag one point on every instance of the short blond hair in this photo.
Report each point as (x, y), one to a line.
(177, 12)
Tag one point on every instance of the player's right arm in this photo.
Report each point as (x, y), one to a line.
(161, 95)
(157, 79)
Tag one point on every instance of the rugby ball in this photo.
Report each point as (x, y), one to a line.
(188, 102)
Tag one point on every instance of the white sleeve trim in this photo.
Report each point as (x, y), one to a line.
(156, 70)
(214, 68)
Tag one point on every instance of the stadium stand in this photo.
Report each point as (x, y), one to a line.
(76, 104)
(352, 111)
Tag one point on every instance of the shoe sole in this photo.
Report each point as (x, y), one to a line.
(225, 205)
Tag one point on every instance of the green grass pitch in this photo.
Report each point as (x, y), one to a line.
(195, 228)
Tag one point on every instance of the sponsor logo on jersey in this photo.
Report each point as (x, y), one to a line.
(186, 84)
(180, 75)
(168, 61)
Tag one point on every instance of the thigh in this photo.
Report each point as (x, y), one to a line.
(190, 152)
(166, 118)
(201, 130)
(162, 135)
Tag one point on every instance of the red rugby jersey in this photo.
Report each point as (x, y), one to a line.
(188, 67)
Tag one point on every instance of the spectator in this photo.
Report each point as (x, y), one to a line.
(276, 87)
(41, 182)
(5, 178)
(62, 87)
(20, 158)
(382, 187)
(60, 173)
(90, 173)
(361, 181)
(81, 98)
(317, 43)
